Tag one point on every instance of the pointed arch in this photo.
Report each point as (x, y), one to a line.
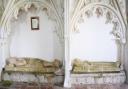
(121, 39)
(13, 11)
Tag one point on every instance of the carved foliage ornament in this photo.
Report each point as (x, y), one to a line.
(36, 5)
(101, 11)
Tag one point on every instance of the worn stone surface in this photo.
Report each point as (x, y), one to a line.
(80, 66)
(92, 78)
(29, 77)
(59, 86)
(98, 78)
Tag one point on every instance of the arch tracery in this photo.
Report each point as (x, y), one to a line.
(112, 17)
(84, 7)
(25, 5)
(101, 10)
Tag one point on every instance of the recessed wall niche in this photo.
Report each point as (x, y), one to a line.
(92, 38)
(43, 43)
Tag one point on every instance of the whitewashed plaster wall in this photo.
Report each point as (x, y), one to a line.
(94, 41)
(120, 8)
(43, 43)
(54, 10)
(74, 9)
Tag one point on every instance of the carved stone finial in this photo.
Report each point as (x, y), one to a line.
(108, 17)
(99, 12)
(88, 13)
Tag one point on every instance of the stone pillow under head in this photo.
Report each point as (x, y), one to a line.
(21, 62)
(11, 60)
(14, 61)
(78, 62)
